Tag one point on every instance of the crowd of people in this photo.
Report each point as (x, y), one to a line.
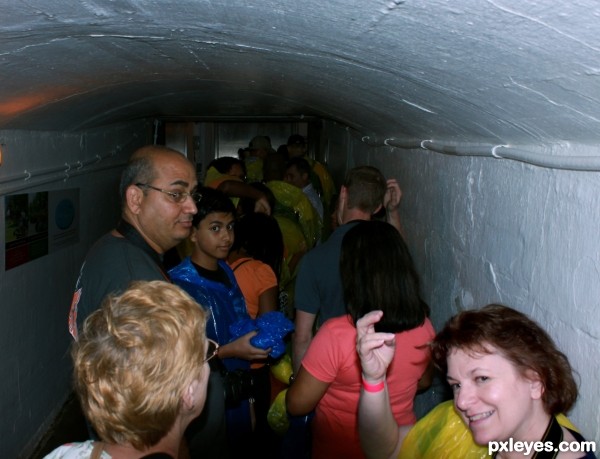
(180, 312)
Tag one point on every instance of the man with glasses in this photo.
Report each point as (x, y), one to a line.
(158, 194)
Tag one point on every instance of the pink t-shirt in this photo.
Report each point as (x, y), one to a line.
(332, 358)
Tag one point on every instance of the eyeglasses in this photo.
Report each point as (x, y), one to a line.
(176, 196)
(211, 350)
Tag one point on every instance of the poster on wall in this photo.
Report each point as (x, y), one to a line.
(26, 227)
(39, 223)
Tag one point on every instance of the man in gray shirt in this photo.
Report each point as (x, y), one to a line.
(158, 199)
(157, 191)
(318, 284)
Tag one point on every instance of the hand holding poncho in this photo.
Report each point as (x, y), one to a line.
(272, 327)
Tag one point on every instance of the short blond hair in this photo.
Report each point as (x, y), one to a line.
(366, 187)
(134, 359)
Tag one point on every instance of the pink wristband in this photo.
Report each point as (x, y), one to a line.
(373, 387)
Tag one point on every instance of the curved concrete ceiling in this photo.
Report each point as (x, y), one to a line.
(515, 72)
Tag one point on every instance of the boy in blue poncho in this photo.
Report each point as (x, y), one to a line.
(207, 278)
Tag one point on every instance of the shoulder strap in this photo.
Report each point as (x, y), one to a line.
(97, 451)
(552, 435)
(240, 264)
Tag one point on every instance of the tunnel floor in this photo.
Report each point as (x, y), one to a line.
(69, 426)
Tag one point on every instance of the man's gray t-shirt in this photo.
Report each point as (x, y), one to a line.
(319, 283)
(109, 267)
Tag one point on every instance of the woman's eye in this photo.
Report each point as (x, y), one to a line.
(481, 378)
(215, 229)
(454, 387)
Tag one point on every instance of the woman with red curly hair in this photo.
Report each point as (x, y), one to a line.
(509, 380)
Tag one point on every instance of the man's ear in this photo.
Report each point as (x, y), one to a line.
(133, 197)
(343, 193)
(378, 209)
(341, 204)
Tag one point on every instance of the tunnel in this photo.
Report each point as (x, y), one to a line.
(487, 112)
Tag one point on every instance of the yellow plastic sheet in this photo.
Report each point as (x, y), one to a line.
(212, 174)
(294, 243)
(254, 170)
(282, 370)
(294, 248)
(277, 415)
(441, 434)
(292, 197)
(327, 184)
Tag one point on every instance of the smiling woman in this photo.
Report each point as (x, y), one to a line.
(509, 379)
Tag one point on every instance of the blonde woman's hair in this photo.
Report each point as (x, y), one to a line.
(134, 359)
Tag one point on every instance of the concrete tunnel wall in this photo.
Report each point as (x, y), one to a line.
(35, 296)
(386, 77)
(486, 230)
(481, 230)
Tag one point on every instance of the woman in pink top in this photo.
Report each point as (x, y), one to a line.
(377, 274)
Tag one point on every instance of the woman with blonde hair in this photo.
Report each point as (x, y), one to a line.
(140, 372)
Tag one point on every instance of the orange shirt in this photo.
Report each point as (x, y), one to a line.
(254, 278)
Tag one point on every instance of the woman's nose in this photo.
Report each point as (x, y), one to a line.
(464, 398)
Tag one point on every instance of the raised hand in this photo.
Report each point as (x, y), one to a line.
(376, 350)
